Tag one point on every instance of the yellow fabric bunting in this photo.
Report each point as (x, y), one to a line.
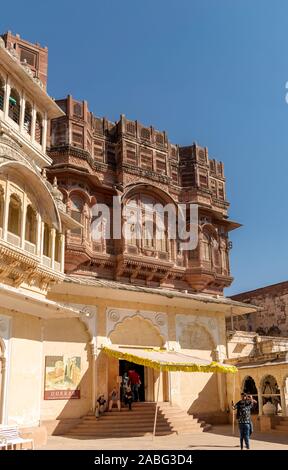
(170, 361)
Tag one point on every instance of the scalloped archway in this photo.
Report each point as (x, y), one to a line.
(137, 331)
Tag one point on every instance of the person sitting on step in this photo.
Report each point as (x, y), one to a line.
(114, 399)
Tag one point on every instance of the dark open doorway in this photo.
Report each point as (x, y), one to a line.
(125, 366)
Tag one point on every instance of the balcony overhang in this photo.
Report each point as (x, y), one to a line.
(40, 96)
(19, 300)
(107, 289)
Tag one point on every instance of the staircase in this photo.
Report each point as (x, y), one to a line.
(282, 425)
(138, 422)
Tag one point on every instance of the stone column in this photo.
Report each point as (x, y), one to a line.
(6, 210)
(94, 376)
(38, 235)
(283, 401)
(6, 99)
(53, 236)
(44, 133)
(42, 238)
(23, 222)
(22, 112)
(260, 402)
(33, 123)
(62, 259)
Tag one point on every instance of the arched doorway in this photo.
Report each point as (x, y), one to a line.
(250, 388)
(270, 392)
(134, 332)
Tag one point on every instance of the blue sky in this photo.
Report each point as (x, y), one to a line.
(208, 71)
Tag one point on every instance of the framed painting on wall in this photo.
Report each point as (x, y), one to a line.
(62, 377)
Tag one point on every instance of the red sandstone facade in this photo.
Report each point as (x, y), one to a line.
(272, 318)
(95, 159)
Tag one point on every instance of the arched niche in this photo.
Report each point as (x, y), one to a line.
(197, 339)
(136, 331)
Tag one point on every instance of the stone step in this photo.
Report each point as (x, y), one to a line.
(120, 434)
(281, 427)
(136, 427)
(139, 422)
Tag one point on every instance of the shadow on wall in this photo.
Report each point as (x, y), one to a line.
(207, 397)
(197, 341)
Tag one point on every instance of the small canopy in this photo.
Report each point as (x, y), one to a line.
(161, 359)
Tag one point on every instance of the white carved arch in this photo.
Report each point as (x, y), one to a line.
(48, 206)
(124, 324)
(158, 320)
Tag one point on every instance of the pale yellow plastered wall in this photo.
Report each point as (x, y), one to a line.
(24, 370)
(191, 391)
(68, 337)
(31, 339)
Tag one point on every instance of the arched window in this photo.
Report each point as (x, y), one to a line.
(47, 241)
(14, 217)
(206, 248)
(77, 205)
(2, 91)
(147, 222)
(14, 106)
(28, 117)
(38, 128)
(31, 225)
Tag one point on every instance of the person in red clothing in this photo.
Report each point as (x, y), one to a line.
(135, 381)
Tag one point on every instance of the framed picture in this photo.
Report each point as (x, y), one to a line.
(62, 377)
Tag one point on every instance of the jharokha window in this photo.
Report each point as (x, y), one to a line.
(76, 213)
(14, 218)
(144, 226)
(14, 106)
(2, 90)
(206, 248)
(28, 117)
(38, 128)
(31, 225)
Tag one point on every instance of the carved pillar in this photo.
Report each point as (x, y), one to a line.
(22, 113)
(38, 235)
(23, 222)
(6, 210)
(283, 400)
(260, 401)
(41, 238)
(53, 237)
(33, 123)
(6, 99)
(44, 133)
(62, 258)
(94, 376)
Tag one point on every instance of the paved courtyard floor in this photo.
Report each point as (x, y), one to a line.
(220, 437)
